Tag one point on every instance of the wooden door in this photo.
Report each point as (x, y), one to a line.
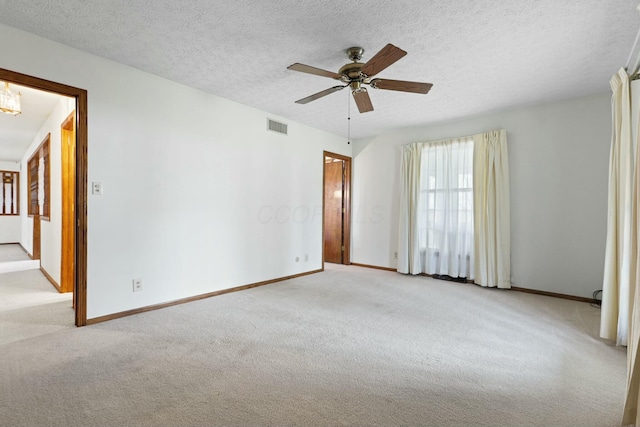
(333, 210)
(68, 147)
(337, 208)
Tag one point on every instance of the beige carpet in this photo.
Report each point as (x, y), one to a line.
(349, 346)
(12, 252)
(30, 307)
(14, 258)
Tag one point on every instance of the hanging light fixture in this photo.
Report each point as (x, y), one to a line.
(9, 101)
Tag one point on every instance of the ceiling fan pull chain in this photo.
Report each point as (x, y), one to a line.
(349, 120)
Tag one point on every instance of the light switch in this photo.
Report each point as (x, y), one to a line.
(96, 188)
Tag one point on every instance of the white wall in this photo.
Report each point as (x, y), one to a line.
(187, 190)
(558, 155)
(10, 225)
(50, 230)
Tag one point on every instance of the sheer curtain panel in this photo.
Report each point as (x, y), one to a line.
(436, 208)
(445, 211)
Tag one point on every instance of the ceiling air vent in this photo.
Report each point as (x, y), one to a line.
(274, 126)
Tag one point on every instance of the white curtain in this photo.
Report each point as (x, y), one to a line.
(409, 249)
(454, 209)
(445, 208)
(491, 210)
(632, 401)
(619, 267)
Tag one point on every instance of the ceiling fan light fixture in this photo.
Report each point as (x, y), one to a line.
(9, 101)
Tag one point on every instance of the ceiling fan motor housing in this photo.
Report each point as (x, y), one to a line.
(352, 70)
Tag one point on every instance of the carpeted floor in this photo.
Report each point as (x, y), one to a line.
(14, 258)
(30, 307)
(349, 346)
(12, 252)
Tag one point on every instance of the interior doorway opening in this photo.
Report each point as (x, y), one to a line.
(78, 196)
(336, 209)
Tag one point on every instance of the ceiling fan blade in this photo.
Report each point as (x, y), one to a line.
(313, 70)
(319, 94)
(401, 85)
(381, 60)
(363, 101)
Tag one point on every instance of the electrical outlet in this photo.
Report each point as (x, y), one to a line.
(97, 188)
(395, 255)
(137, 285)
(306, 257)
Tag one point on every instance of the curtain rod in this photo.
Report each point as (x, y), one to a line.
(455, 137)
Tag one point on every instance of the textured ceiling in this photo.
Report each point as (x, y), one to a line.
(481, 55)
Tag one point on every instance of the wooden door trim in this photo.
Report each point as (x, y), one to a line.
(36, 244)
(42, 152)
(67, 244)
(347, 203)
(82, 135)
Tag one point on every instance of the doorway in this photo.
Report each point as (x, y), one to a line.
(336, 209)
(79, 184)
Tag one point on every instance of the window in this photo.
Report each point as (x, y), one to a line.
(445, 207)
(39, 177)
(454, 209)
(9, 194)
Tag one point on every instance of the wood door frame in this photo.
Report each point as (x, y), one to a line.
(80, 95)
(36, 243)
(67, 244)
(346, 197)
(43, 152)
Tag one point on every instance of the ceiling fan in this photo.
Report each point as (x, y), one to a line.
(356, 74)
